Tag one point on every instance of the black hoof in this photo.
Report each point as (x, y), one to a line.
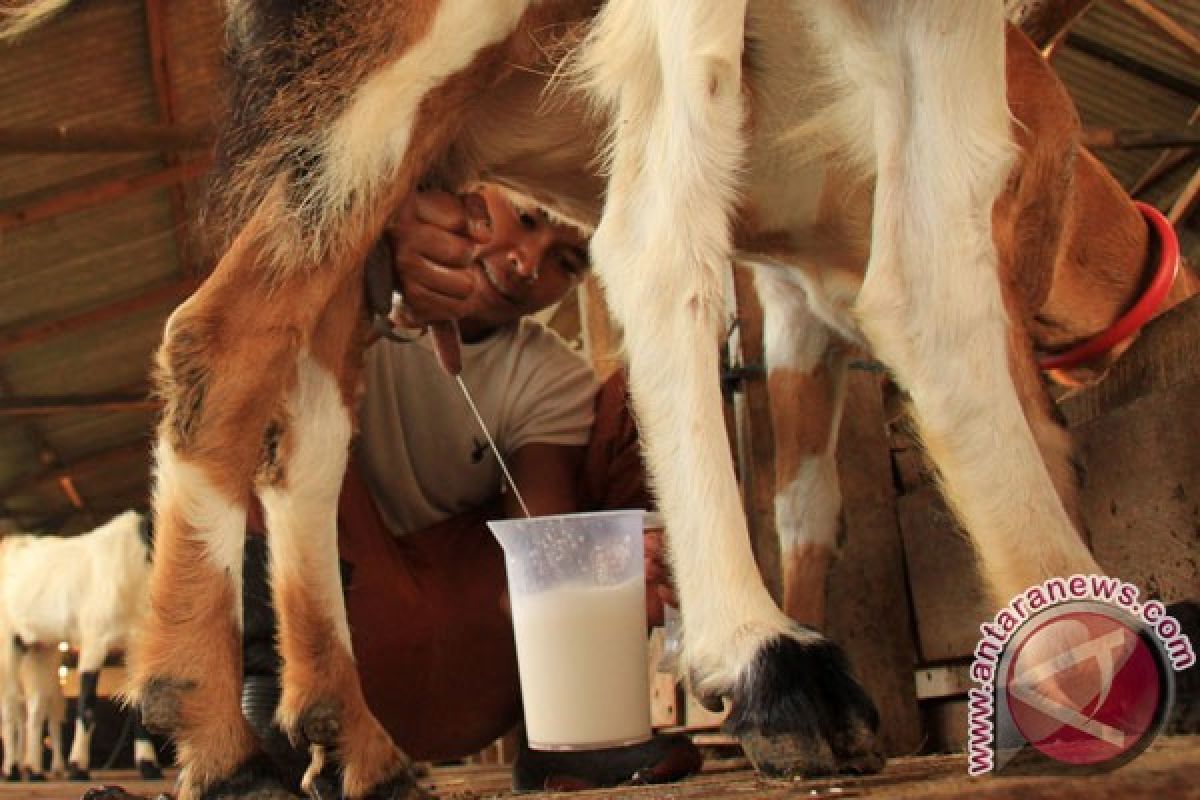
(13, 775)
(110, 793)
(35, 777)
(663, 759)
(162, 704)
(254, 780)
(798, 711)
(1185, 714)
(402, 786)
(149, 771)
(74, 773)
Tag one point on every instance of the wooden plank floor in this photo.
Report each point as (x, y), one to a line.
(1169, 770)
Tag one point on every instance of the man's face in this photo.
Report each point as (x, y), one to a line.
(529, 263)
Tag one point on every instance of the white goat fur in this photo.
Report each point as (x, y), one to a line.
(31, 701)
(89, 590)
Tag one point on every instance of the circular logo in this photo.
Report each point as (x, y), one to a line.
(1086, 685)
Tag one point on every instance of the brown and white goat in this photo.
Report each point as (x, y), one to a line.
(724, 126)
(1074, 254)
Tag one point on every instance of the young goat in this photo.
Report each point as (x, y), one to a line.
(90, 590)
(724, 126)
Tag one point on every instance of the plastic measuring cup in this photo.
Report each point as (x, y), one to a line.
(577, 587)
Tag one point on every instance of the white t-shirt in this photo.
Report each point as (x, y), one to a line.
(421, 449)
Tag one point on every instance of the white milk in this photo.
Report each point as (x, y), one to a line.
(582, 656)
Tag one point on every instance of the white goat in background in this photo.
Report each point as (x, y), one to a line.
(89, 590)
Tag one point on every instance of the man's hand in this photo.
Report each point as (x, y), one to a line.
(659, 587)
(434, 236)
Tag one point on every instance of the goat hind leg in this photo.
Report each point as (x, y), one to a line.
(931, 304)
(11, 713)
(806, 375)
(39, 677)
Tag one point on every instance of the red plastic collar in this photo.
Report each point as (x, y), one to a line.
(1142, 312)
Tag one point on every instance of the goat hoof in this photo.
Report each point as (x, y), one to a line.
(110, 793)
(76, 773)
(162, 704)
(149, 771)
(13, 775)
(254, 780)
(1185, 714)
(320, 724)
(402, 786)
(798, 711)
(35, 777)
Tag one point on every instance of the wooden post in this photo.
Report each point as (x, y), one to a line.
(600, 338)
(868, 596)
(1045, 21)
(756, 437)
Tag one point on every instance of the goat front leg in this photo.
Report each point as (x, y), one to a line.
(227, 357)
(92, 654)
(322, 704)
(931, 305)
(672, 73)
(806, 371)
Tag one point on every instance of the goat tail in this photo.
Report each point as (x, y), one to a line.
(21, 17)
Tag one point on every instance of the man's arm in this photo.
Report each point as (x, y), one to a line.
(548, 477)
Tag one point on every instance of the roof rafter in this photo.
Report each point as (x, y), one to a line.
(1133, 66)
(33, 334)
(1046, 21)
(99, 193)
(106, 458)
(106, 138)
(1159, 21)
(164, 96)
(38, 405)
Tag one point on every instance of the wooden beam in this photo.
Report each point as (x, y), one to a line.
(756, 435)
(94, 138)
(169, 293)
(74, 403)
(1103, 52)
(1165, 163)
(68, 487)
(1045, 21)
(1187, 201)
(1178, 160)
(1126, 139)
(601, 339)
(159, 45)
(107, 458)
(1157, 21)
(45, 451)
(97, 194)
